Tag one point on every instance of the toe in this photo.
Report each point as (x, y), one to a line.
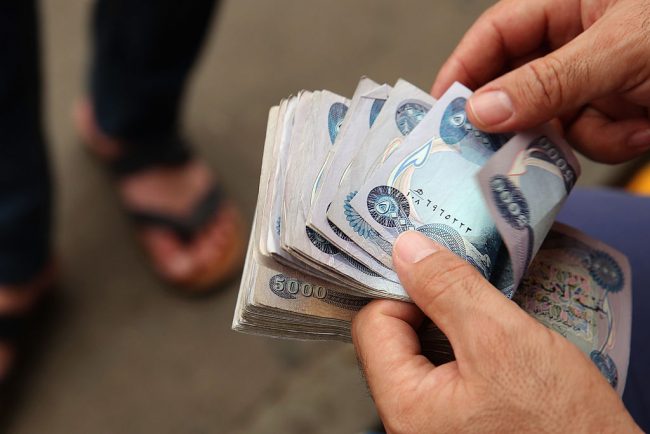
(171, 258)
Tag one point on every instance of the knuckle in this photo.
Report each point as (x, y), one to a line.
(546, 82)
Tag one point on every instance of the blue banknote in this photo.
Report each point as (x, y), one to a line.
(429, 185)
(302, 184)
(404, 109)
(524, 187)
(494, 204)
(367, 102)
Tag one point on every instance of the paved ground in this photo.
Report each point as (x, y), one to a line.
(125, 355)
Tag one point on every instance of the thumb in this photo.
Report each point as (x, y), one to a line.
(563, 81)
(467, 308)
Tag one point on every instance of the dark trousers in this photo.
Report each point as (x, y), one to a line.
(143, 52)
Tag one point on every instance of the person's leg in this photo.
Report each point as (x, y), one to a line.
(621, 220)
(24, 176)
(143, 54)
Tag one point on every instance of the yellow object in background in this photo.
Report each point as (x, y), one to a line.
(640, 184)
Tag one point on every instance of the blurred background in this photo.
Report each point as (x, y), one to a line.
(121, 353)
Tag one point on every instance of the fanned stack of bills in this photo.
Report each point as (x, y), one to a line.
(341, 179)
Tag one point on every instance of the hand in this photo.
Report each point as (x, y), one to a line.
(584, 61)
(511, 374)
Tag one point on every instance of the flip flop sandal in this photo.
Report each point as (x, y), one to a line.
(186, 229)
(136, 159)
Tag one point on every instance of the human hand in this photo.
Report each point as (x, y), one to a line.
(511, 374)
(584, 61)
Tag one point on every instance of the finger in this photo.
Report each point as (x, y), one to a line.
(387, 345)
(577, 73)
(618, 108)
(521, 61)
(507, 31)
(467, 308)
(603, 139)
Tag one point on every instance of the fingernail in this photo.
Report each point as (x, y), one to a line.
(412, 247)
(491, 108)
(640, 140)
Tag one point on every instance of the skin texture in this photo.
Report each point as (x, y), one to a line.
(511, 374)
(584, 62)
(581, 64)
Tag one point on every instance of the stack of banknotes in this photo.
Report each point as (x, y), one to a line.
(341, 179)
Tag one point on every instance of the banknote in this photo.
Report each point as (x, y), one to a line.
(273, 173)
(580, 288)
(279, 301)
(339, 152)
(267, 176)
(403, 110)
(301, 145)
(276, 299)
(576, 286)
(282, 301)
(293, 113)
(302, 180)
(429, 184)
(572, 284)
(366, 104)
(524, 186)
(292, 144)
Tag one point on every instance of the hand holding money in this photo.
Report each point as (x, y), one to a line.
(492, 386)
(343, 179)
(582, 62)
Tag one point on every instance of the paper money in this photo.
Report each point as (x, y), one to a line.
(289, 295)
(299, 284)
(367, 102)
(580, 288)
(302, 181)
(291, 112)
(267, 176)
(326, 114)
(576, 286)
(525, 186)
(405, 107)
(428, 184)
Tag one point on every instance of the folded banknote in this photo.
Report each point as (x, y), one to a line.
(342, 178)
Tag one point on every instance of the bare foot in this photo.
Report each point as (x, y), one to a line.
(214, 254)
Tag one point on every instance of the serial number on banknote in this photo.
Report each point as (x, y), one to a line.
(418, 198)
